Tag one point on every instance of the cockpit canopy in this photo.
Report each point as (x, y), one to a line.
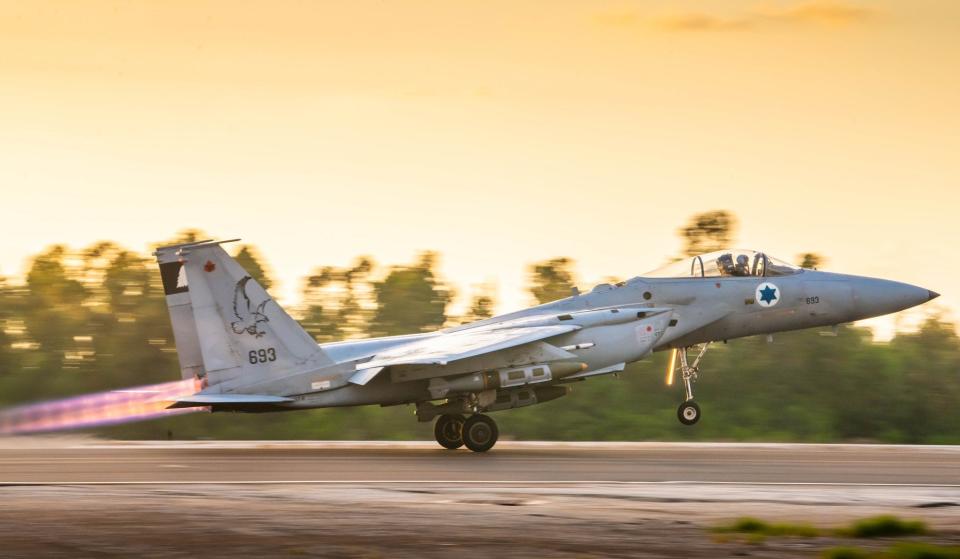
(725, 263)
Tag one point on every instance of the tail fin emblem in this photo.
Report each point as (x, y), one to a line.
(209, 266)
(248, 318)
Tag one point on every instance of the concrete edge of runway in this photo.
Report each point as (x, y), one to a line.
(81, 442)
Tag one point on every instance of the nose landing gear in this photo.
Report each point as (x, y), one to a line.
(689, 412)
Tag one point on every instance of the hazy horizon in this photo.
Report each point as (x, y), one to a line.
(498, 134)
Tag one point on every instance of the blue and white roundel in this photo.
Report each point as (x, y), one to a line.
(768, 294)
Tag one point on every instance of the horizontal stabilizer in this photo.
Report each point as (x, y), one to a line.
(363, 376)
(198, 400)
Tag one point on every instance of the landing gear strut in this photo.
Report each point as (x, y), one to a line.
(689, 412)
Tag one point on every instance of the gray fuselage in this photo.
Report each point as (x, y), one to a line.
(703, 309)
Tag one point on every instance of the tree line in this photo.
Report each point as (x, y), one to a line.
(95, 319)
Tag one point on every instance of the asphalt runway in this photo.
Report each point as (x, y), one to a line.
(53, 461)
(73, 497)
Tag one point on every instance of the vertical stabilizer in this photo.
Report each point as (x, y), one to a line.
(177, 294)
(227, 322)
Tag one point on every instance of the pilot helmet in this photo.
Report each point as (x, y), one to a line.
(725, 262)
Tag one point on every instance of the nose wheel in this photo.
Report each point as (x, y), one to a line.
(689, 412)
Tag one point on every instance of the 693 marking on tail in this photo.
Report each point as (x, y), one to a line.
(257, 356)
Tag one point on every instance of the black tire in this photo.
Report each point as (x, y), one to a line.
(688, 413)
(480, 433)
(447, 431)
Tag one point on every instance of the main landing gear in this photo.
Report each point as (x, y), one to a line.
(478, 432)
(447, 431)
(689, 412)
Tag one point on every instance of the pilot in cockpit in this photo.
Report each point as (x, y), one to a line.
(725, 264)
(743, 266)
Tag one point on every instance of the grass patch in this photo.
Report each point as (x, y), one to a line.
(923, 551)
(846, 553)
(884, 526)
(755, 531)
(899, 551)
(757, 527)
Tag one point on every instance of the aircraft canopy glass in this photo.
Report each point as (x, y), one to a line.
(725, 263)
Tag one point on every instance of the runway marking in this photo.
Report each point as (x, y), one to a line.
(481, 482)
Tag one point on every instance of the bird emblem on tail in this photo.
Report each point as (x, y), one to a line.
(248, 318)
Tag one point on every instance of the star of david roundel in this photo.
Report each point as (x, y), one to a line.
(767, 294)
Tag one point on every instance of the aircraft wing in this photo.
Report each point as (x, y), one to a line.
(461, 344)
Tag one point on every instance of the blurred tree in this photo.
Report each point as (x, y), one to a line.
(335, 302)
(251, 261)
(54, 310)
(708, 231)
(96, 319)
(19, 359)
(410, 299)
(481, 306)
(187, 236)
(317, 317)
(811, 260)
(141, 340)
(924, 400)
(8, 318)
(551, 279)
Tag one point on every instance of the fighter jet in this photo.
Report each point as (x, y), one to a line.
(249, 355)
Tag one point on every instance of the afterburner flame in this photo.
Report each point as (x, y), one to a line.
(100, 408)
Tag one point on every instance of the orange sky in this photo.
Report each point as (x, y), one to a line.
(499, 133)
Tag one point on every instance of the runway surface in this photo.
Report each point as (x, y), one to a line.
(72, 497)
(65, 461)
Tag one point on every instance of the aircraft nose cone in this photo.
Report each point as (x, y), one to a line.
(877, 297)
(931, 295)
